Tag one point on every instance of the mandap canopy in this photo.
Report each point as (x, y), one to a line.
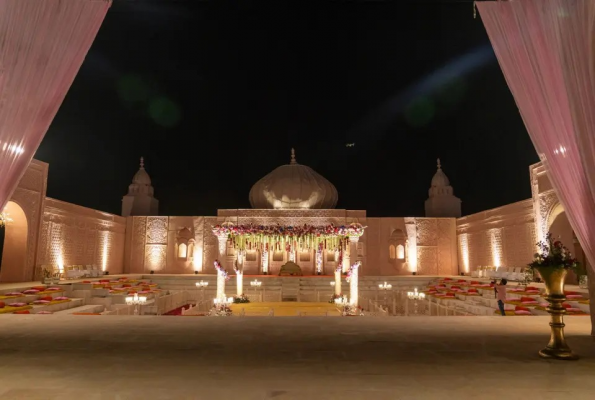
(288, 238)
(42, 46)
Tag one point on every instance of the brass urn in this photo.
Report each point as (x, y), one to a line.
(553, 279)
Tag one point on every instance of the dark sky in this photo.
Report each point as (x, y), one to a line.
(214, 95)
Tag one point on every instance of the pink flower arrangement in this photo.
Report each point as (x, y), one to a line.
(220, 269)
(553, 254)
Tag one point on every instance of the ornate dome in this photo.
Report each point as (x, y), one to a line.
(293, 186)
(141, 177)
(440, 179)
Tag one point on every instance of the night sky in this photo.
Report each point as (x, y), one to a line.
(215, 94)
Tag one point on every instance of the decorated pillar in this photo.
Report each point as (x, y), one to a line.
(353, 240)
(265, 262)
(338, 272)
(222, 276)
(222, 247)
(319, 261)
(353, 279)
(239, 270)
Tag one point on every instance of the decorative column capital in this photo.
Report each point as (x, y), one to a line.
(354, 239)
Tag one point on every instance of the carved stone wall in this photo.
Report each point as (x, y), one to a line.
(504, 235)
(75, 235)
(434, 246)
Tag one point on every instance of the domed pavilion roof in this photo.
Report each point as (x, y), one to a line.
(293, 186)
(142, 177)
(440, 179)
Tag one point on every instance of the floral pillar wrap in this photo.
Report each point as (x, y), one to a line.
(338, 271)
(222, 276)
(265, 261)
(353, 279)
(319, 261)
(239, 270)
(353, 249)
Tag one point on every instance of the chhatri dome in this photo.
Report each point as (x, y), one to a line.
(441, 202)
(293, 186)
(142, 177)
(140, 199)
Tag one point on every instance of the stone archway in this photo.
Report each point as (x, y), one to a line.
(14, 254)
(559, 226)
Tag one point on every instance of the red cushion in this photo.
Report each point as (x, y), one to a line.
(127, 285)
(524, 298)
(531, 288)
(40, 288)
(566, 305)
(472, 290)
(461, 281)
(2, 304)
(455, 287)
(522, 312)
(48, 298)
(521, 308)
(22, 312)
(569, 292)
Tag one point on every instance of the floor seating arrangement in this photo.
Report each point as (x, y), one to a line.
(478, 298)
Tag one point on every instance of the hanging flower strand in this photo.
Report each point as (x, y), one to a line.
(289, 238)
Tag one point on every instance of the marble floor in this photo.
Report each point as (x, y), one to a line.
(124, 358)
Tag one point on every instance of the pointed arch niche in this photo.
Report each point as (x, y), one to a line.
(14, 253)
(397, 243)
(185, 245)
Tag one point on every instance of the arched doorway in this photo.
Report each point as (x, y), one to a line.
(560, 228)
(14, 252)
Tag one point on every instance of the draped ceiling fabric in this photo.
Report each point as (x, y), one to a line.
(42, 46)
(546, 51)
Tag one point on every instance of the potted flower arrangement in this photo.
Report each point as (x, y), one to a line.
(553, 261)
(241, 299)
(335, 297)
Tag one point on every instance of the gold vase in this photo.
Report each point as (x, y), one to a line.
(554, 288)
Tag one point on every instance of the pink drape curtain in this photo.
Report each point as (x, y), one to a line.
(546, 51)
(42, 46)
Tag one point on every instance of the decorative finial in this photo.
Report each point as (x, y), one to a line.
(439, 165)
(293, 161)
(142, 162)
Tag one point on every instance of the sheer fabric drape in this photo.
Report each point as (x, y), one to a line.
(546, 52)
(42, 46)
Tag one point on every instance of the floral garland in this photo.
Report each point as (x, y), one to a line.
(289, 238)
(220, 270)
(351, 269)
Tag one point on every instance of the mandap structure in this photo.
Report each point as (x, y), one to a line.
(342, 240)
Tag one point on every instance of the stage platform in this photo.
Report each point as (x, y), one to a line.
(286, 309)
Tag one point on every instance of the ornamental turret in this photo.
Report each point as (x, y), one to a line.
(441, 202)
(140, 199)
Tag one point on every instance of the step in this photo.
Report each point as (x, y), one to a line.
(58, 307)
(83, 309)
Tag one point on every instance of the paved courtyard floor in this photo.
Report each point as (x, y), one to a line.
(123, 358)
